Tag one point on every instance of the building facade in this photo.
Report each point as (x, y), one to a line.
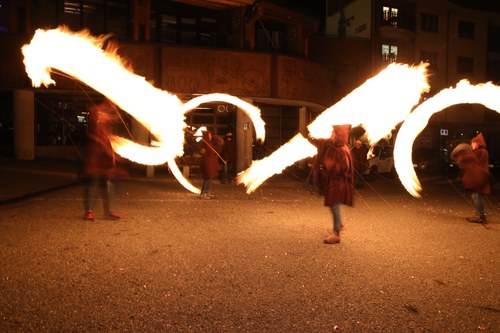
(257, 52)
(458, 42)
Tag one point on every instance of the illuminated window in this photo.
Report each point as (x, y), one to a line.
(390, 16)
(389, 53)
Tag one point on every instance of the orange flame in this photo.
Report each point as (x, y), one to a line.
(486, 94)
(80, 56)
(378, 105)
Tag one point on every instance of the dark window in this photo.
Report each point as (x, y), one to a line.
(98, 16)
(466, 29)
(93, 16)
(429, 57)
(208, 31)
(281, 125)
(71, 15)
(494, 39)
(429, 22)
(465, 65)
(270, 36)
(188, 31)
(168, 29)
(117, 20)
(4, 18)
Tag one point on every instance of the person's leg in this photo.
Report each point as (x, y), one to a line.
(478, 200)
(337, 217)
(204, 186)
(106, 188)
(337, 223)
(88, 198)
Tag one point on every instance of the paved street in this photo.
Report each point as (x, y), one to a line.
(244, 263)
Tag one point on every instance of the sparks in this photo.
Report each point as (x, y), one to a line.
(378, 106)
(81, 56)
(464, 93)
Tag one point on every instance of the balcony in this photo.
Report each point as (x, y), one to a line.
(401, 27)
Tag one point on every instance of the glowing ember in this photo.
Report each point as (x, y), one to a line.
(81, 56)
(486, 94)
(378, 106)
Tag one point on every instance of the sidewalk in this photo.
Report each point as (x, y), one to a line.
(25, 179)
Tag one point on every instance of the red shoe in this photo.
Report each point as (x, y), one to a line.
(111, 216)
(88, 216)
(332, 239)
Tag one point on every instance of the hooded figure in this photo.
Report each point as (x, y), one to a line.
(336, 166)
(475, 173)
(209, 163)
(337, 174)
(474, 166)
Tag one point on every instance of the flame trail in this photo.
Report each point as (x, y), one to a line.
(296, 149)
(464, 93)
(378, 105)
(81, 56)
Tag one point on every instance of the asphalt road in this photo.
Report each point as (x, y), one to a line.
(249, 263)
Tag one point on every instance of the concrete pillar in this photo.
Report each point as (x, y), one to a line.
(303, 130)
(141, 136)
(24, 124)
(244, 139)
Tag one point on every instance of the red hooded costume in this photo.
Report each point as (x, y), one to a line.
(336, 168)
(475, 167)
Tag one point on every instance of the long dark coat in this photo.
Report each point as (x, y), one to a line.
(209, 163)
(99, 155)
(336, 168)
(474, 166)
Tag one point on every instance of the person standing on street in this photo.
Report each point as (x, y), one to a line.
(337, 172)
(100, 161)
(229, 155)
(475, 174)
(209, 163)
(359, 152)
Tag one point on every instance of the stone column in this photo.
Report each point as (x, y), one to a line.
(24, 124)
(303, 130)
(244, 139)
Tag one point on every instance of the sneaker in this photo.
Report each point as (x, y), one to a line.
(88, 216)
(205, 196)
(477, 219)
(332, 239)
(111, 216)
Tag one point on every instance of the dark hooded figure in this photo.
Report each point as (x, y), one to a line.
(337, 174)
(100, 164)
(475, 174)
(209, 163)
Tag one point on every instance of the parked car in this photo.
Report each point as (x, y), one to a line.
(381, 159)
(430, 161)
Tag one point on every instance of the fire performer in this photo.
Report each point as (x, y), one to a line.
(100, 164)
(209, 163)
(337, 174)
(475, 174)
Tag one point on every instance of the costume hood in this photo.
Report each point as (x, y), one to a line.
(479, 139)
(341, 134)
